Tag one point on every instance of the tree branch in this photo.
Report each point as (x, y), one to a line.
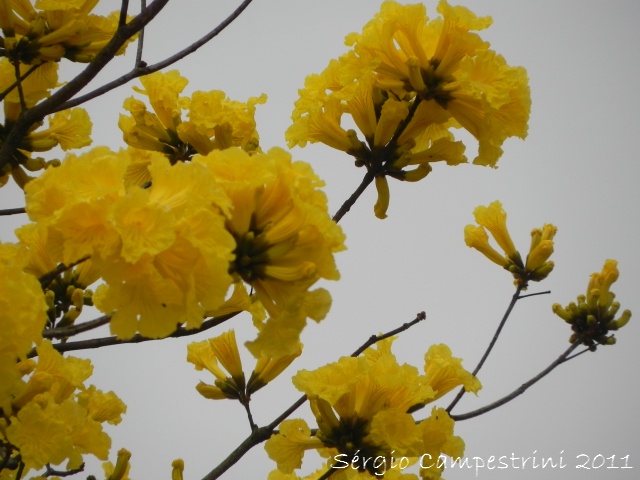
(141, 69)
(512, 304)
(522, 388)
(12, 211)
(106, 341)
(72, 330)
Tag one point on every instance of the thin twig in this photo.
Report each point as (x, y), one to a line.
(107, 341)
(123, 13)
(546, 292)
(346, 206)
(12, 211)
(72, 330)
(142, 69)
(512, 304)
(522, 388)
(139, 63)
(6, 92)
(262, 434)
(49, 277)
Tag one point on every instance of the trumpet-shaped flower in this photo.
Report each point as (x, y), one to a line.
(493, 219)
(163, 252)
(213, 121)
(594, 314)
(68, 129)
(222, 351)
(406, 83)
(53, 417)
(285, 240)
(22, 304)
(362, 407)
(56, 30)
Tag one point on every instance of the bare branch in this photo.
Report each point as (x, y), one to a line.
(106, 341)
(142, 69)
(522, 388)
(12, 211)
(72, 330)
(512, 303)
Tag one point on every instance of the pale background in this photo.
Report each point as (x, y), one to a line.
(578, 169)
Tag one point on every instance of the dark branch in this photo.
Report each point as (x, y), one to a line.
(522, 388)
(107, 341)
(142, 69)
(12, 211)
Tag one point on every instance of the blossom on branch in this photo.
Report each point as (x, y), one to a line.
(406, 83)
(285, 240)
(212, 120)
(362, 407)
(594, 314)
(56, 30)
(493, 219)
(53, 417)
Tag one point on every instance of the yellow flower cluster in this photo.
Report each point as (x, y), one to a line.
(214, 121)
(52, 417)
(594, 314)
(68, 129)
(361, 406)
(284, 240)
(494, 220)
(406, 82)
(163, 251)
(168, 251)
(223, 351)
(57, 29)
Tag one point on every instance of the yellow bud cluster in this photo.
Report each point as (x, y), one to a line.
(593, 316)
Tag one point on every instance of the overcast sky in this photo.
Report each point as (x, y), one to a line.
(578, 169)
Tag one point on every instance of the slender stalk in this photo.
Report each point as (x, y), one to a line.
(106, 341)
(72, 330)
(522, 388)
(512, 303)
(12, 211)
(346, 206)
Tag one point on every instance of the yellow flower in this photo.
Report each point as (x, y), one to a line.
(69, 129)
(494, 219)
(163, 250)
(437, 439)
(406, 82)
(288, 447)
(268, 368)
(22, 304)
(177, 469)
(214, 121)
(361, 407)
(224, 350)
(594, 314)
(54, 417)
(121, 470)
(445, 63)
(207, 354)
(285, 239)
(59, 29)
